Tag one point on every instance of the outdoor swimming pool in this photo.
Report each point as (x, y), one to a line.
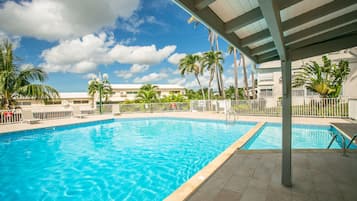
(126, 159)
(303, 137)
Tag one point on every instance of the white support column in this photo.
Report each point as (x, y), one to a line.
(286, 134)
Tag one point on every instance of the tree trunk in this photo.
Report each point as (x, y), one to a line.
(199, 83)
(246, 94)
(253, 84)
(235, 74)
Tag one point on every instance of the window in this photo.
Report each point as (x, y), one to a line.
(53, 102)
(24, 103)
(297, 92)
(265, 77)
(174, 92)
(131, 92)
(80, 102)
(311, 93)
(266, 92)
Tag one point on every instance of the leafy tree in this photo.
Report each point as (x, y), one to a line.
(101, 86)
(325, 80)
(174, 98)
(148, 94)
(21, 82)
(191, 64)
(230, 93)
(212, 61)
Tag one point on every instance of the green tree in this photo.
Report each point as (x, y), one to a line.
(325, 80)
(148, 94)
(21, 82)
(230, 93)
(173, 98)
(191, 64)
(212, 61)
(100, 86)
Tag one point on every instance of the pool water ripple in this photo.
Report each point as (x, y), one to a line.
(142, 159)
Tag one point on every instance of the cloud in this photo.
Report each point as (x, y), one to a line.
(134, 69)
(83, 55)
(140, 54)
(62, 19)
(90, 76)
(152, 77)
(176, 57)
(78, 55)
(14, 40)
(178, 81)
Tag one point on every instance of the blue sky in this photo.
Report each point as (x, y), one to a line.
(134, 41)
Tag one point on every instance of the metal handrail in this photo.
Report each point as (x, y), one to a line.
(333, 139)
(353, 138)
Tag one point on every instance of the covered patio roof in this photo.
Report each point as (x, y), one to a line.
(286, 30)
(266, 30)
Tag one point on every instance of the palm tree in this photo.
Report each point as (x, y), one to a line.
(16, 82)
(232, 49)
(253, 82)
(326, 79)
(213, 40)
(103, 84)
(244, 76)
(191, 64)
(148, 94)
(212, 61)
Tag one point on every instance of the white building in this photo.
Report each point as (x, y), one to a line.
(123, 92)
(269, 85)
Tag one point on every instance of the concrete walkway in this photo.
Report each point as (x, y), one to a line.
(256, 176)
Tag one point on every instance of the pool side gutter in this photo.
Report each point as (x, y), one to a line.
(186, 189)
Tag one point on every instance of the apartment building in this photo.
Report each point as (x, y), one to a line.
(269, 77)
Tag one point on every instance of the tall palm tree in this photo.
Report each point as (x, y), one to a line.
(253, 82)
(212, 61)
(325, 80)
(100, 86)
(213, 40)
(232, 49)
(191, 64)
(148, 94)
(17, 82)
(245, 76)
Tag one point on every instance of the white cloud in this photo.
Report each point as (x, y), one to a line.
(78, 55)
(84, 54)
(134, 69)
(90, 76)
(152, 77)
(140, 54)
(14, 40)
(137, 68)
(62, 19)
(178, 81)
(176, 57)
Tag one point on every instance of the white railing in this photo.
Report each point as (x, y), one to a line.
(52, 114)
(318, 107)
(10, 116)
(352, 105)
(155, 107)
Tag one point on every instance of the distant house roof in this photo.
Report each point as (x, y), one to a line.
(74, 95)
(137, 86)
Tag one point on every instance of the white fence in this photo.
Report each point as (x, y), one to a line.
(319, 107)
(352, 105)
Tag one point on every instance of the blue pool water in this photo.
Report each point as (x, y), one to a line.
(303, 137)
(141, 159)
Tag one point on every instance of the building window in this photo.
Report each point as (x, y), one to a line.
(311, 93)
(53, 102)
(174, 92)
(24, 103)
(297, 92)
(266, 92)
(131, 92)
(80, 102)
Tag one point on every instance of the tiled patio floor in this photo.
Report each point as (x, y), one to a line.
(256, 176)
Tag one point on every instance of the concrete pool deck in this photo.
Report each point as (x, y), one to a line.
(200, 188)
(256, 176)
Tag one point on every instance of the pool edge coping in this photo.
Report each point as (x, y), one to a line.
(190, 186)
